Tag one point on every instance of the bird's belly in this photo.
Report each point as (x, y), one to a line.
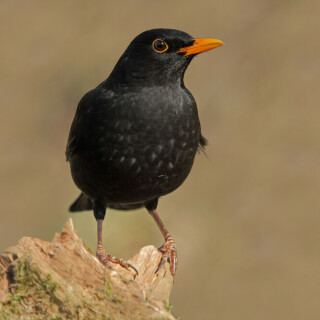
(134, 172)
(153, 174)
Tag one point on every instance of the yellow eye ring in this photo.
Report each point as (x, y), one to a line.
(159, 46)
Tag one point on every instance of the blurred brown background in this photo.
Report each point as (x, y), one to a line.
(246, 222)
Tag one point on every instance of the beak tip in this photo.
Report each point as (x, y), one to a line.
(219, 42)
(201, 45)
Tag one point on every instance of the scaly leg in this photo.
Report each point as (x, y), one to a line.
(168, 249)
(101, 254)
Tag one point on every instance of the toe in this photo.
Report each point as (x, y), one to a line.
(169, 253)
(163, 260)
(173, 262)
(105, 259)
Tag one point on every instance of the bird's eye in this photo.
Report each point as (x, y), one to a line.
(159, 46)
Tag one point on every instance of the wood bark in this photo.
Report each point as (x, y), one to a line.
(62, 279)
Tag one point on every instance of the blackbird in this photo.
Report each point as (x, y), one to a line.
(134, 137)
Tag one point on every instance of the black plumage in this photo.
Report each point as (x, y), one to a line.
(135, 136)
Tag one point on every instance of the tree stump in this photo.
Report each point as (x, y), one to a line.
(63, 280)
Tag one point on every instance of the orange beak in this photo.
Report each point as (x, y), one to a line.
(201, 45)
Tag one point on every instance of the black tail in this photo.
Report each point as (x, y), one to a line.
(82, 203)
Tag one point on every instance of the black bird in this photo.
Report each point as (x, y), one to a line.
(134, 137)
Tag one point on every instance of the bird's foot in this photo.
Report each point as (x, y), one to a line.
(105, 259)
(169, 253)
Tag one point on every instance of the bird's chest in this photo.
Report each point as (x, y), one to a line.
(153, 142)
(150, 138)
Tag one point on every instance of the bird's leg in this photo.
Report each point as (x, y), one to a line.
(101, 254)
(168, 249)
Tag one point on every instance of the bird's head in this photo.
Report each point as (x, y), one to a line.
(159, 56)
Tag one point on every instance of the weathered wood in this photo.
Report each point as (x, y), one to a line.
(63, 280)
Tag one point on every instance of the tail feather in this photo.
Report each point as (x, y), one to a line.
(82, 203)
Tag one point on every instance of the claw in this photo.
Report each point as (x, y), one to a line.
(169, 253)
(132, 267)
(128, 265)
(162, 262)
(105, 258)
